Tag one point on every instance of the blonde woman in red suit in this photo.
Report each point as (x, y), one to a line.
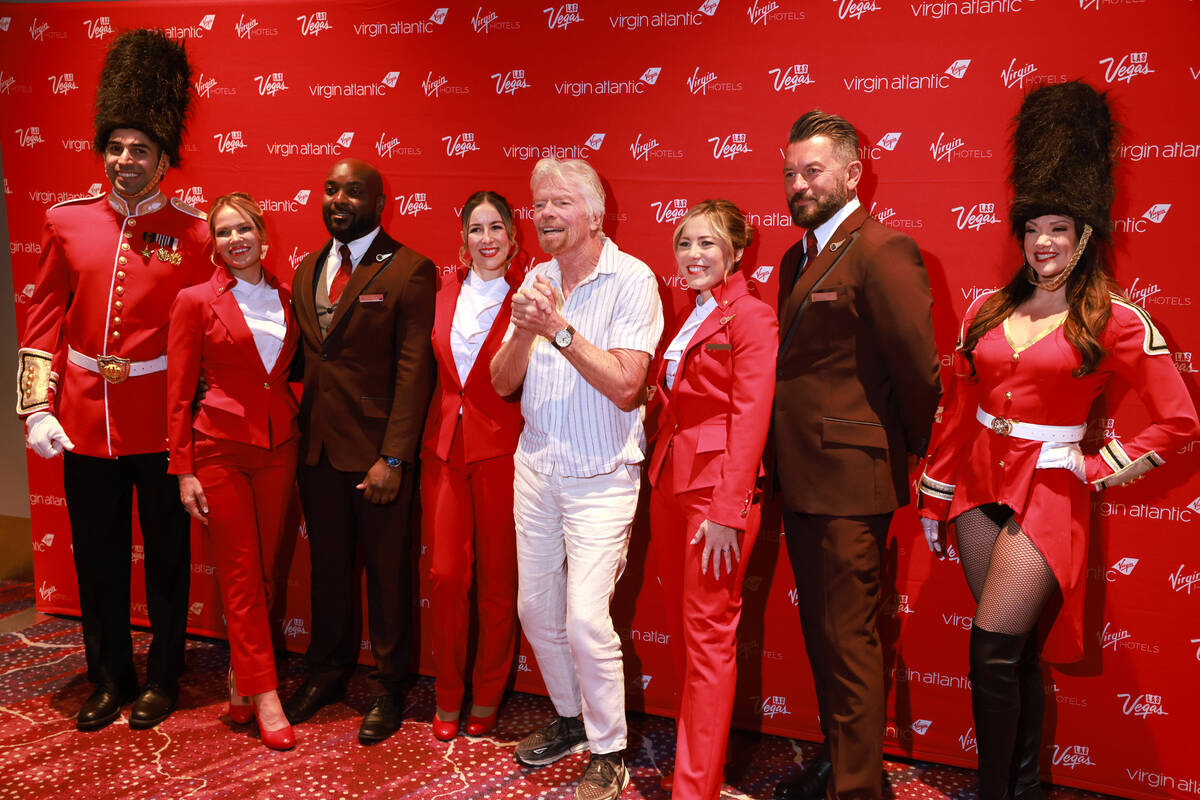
(715, 383)
(467, 472)
(236, 455)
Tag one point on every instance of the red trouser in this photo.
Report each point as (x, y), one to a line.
(467, 524)
(248, 490)
(706, 611)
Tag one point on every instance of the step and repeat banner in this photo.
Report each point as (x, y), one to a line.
(673, 102)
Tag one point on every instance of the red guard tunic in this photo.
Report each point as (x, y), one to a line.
(970, 465)
(106, 280)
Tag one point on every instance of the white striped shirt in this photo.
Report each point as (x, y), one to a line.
(572, 429)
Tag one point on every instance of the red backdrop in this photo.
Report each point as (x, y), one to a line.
(673, 104)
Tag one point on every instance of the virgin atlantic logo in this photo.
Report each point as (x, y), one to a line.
(98, 28)
(854, 9)
(1072, 756)
(1123, 566)
(788, 80)
(730, 147)
(1127, 68)
(313, 24)
(889, 140)
(43, 545)
(62, 84)
(294, 259)
(975, 217)
(28, 137)
(559, 18)
(229, 142)
(37, 31)
(510, 82)
(967, 741)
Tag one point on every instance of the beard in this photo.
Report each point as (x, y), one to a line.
(822, 212)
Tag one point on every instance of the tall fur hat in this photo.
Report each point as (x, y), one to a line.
(1063, 150)
(145, 85)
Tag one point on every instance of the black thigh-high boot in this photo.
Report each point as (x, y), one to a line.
(1026, 782)
(996, 703)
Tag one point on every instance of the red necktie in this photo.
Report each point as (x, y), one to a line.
(810, 253)
(342, 277)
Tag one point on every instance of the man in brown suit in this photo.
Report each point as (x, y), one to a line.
(856, 390)
(365, 308)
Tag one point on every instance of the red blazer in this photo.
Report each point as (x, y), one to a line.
(491, 425)
(243, 403)
(717, 415)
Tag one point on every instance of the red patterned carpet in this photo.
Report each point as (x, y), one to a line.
(198, 753)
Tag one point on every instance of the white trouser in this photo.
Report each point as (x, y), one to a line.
(572, 538)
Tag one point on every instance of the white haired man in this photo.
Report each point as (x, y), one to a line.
(584, 326)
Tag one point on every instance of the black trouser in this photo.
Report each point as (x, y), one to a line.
(340, 522)
(99, 493)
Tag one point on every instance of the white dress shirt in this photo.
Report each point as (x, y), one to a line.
(264, 315)
(358, 248)
(674, 352)
(479, 303)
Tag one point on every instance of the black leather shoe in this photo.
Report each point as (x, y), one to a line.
(102, 707)
(810, 785)
(310, 698)
(382, 719)
(153, 705)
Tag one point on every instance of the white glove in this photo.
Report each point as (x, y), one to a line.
(1062, 455)
(931, 529)
(46, 435)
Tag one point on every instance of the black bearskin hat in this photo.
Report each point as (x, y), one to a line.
(1063, 151)
(145, 85)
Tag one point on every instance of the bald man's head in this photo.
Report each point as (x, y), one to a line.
(353, 200)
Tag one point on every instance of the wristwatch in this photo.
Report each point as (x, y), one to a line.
(393, 462)
(563, 338)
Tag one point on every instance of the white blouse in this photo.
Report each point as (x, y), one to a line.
(478, 306)
(674, 352)
(264, 315)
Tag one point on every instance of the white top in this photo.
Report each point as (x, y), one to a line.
(674, 352)
(572, 429)
(479, 303)
(824, 232)
(358, 249)
(263, 311)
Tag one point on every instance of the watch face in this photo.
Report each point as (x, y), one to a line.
(562, 338)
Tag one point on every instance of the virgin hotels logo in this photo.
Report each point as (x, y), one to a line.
(1126, 68)
(730, 146)
(62, 84)
(206, 87)
(486, 22)
(245, 28)
(762, 11)
(705, 81)
(98, 28)
(510, 82)
(789, 79)
(1183, 580)
(854, 9)
(313, 24)
(46, 591)
(388, 147)
(1012, 75)
(435, 86)
(563, 16)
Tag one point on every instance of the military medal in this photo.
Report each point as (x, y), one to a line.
(167, 256)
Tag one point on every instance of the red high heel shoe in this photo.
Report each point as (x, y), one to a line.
(239, 713)
(482, 726)
(279, 739)
(444, 729)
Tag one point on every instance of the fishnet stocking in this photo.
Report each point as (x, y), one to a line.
(1006, 573)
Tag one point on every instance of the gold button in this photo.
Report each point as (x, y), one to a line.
(1008, 395)
(124, 245)
(121, 272)
(116, 334)
(127, 235)
(120, 290)
(1016, 356)
(116, 320)
(266, 385)
(118, 305)
(1001, 463)
(132, 222)
(122, 260)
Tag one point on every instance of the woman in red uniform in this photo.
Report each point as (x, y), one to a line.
(1007, 468)
(236, 455)
(714, 383)
(467, 472)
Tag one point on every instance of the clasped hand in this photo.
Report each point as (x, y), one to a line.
(535, 308)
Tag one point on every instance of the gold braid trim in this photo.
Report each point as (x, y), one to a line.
(34, 380)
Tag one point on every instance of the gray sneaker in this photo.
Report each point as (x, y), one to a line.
(604, 779)
(563, 736)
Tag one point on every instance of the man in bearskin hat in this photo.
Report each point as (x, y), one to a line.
(92, 378)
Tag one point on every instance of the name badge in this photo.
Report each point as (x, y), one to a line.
(823, 297)
(370, 298)
(718, 346)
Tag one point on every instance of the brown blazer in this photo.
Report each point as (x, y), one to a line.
(857, 375)
(367, 384)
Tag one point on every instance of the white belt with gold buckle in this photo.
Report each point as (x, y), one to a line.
(115, 369)
(1028, 430)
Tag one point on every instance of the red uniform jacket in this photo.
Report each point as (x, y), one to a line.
(104, 290)
(243, 402)
(491, 425)
(716, 417)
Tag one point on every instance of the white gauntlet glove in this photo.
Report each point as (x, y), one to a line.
(46, 435)
(1062, 455)
(930, 527)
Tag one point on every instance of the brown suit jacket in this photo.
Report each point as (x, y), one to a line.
(857, 375)
(367, 384)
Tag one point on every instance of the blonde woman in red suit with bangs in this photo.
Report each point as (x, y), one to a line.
(236, 454)
(715, 383)
(467, 472)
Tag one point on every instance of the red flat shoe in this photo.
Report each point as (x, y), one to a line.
(239, 713)
(667, 782)
(444, 730)
(279, 739)
(482, 726)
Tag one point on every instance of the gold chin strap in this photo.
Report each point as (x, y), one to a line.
(152, 186)
(1053, 284)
